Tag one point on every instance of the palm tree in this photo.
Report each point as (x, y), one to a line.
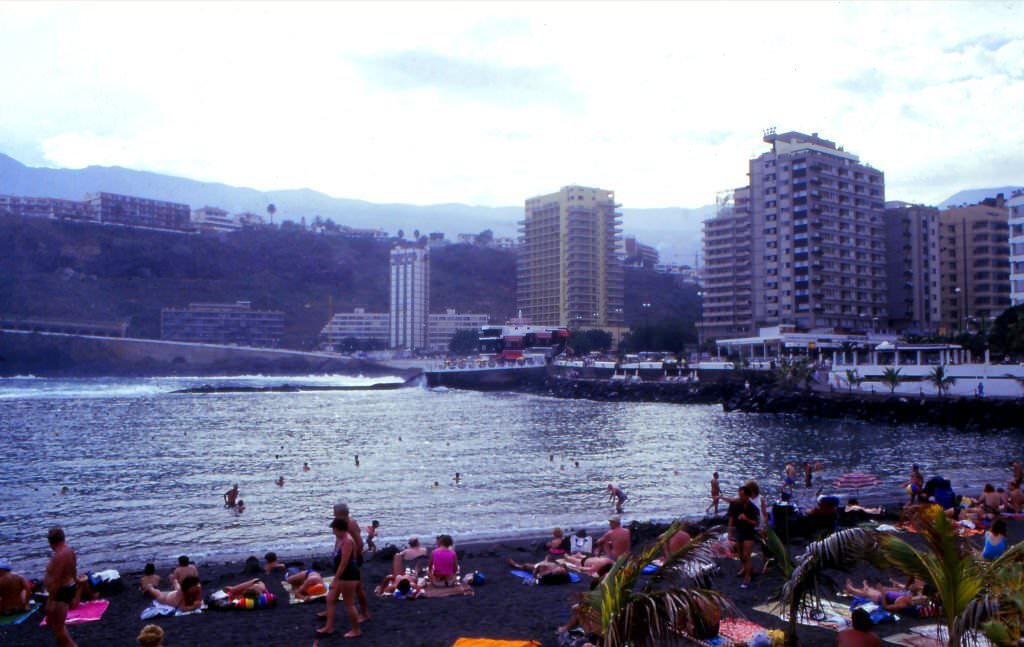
(941, 380)
(891, 378)
(853, 379)
(805, 578)
(652, 613)
(952, 568)
(271, 210)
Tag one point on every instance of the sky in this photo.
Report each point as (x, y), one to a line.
(489, 103)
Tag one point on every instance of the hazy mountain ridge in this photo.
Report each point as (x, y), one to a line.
(675, 231)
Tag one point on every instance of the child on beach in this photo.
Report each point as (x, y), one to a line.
(371, 532)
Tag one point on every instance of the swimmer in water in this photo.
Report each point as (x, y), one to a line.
(357, 460)
(280, 481)
(457, 477)
(305, 467)
(436, 484)
(240, 508)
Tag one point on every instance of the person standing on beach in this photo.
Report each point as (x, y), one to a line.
(808, 472)
(341, 512)
(1018, 473)
(346, 581)
(231, 496)
(61, 582)
(716, 494)
(618, 495)
(743, 521)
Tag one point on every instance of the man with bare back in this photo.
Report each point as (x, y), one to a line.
(60, 582)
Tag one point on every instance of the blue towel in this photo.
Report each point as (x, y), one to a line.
(527, 577)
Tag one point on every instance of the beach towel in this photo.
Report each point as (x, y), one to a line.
(18, 618)
(157, 609)
(739, 630)
(320, 596)
(85, 612)
(487, 642)
(527, 577)
(832, 615)
(448, 591)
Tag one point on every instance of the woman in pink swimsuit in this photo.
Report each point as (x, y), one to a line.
(444, 563)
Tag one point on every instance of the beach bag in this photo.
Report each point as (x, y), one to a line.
(581, 544)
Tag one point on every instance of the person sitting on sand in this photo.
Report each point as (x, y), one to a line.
(249, 588)
(616, 542)
(407, 559)
(592, 564)
(307, 585)
(271, 564)
(149, 577)
(676, 542)
(558, 544)
(990, 502)
(859, 633)
(544, 572)
(186, 596)
(184, 569)
(995, 541)
(15, 591)
(1014, 498)
(443, 569)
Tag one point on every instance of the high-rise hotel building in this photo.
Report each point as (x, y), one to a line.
(410, 298)
(802, 245)
(1016, 206)
(568, 272)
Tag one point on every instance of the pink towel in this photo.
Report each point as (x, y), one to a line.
(85, 612)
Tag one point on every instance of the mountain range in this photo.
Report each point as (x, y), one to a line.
(674, 231)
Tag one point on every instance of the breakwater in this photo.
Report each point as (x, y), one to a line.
(762, 396)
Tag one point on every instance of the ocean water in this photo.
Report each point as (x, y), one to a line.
(145, 468)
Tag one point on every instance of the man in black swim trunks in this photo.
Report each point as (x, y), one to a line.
(60, 582)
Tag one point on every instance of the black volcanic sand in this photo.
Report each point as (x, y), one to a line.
(503, 608)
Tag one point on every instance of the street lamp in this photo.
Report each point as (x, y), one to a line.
(647, 308)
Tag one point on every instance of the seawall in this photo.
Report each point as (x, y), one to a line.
(62, 355)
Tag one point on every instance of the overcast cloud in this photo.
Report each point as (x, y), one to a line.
(489, 103)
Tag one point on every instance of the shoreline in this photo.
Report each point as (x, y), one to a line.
(502, 608)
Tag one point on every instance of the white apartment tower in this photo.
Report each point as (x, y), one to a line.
(1016, 205)
(569, 272)
(410, 298)
(813, 216)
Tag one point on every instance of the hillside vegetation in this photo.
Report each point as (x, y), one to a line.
(90, 273)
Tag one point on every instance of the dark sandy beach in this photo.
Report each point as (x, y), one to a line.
(502, 608)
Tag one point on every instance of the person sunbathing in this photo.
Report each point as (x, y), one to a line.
(404, 584)
(307, 585)
(894, 598)
(408, 558)
(251, 588)
(544, 572)
(592, 564)
(186, 596)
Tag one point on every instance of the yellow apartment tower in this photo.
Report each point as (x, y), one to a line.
(569, 273)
